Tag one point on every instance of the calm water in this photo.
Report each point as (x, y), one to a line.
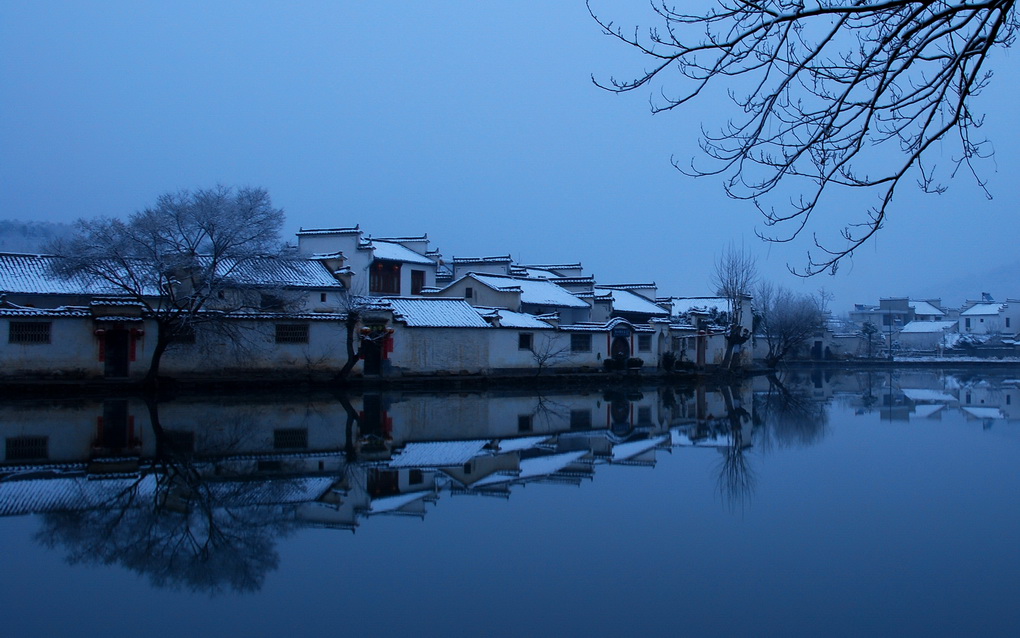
(867, 504)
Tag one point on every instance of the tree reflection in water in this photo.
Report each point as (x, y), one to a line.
(179, 529)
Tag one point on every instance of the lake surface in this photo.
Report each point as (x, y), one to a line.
(834, 504)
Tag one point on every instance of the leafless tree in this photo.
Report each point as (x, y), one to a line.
(180, 259)
(734, 276)
(822, 88)
(785, 319)
(548, 350)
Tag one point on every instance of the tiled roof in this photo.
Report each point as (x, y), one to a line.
(627, 301)
(604, 327)
(921, 327)
(393, 251)
(33, 274)
(438, 453)
(27, 313)
(684, 305)
(280, 272)
(434, 312)
(511, 319)
(538, 292)
(330, 231)
(536, 466)
(501, 259)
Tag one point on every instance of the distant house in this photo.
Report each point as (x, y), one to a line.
(927, 336)
(990, 317)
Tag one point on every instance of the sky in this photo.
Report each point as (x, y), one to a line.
(477, 123)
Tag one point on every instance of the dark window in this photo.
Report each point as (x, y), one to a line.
(270, 302)
(525, 423)
(417, 281)
(469, 292)
(292, 333)
(29, 332)
(580, 343)
(27, 448)
(1007, 322)
(580, 419)
(1009, 399)
(644, 343)
(644, 415)
(290, 439)
(384, 277)
(415, 477)
(322, 297)
(467, 467)
(524, 340)
(966, 323)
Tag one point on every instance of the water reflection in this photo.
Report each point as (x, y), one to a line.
(195, 494)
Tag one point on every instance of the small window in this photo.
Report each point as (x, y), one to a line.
(27, 448)
(1007, 322)
(467, 467)
(322, 297)
(644, 343)
(290, 439)
(982, 319)
(580, 419)
(644, 415)
(469, 292)
(966, 323)
(580, 343)
(525, 423)
(415, 477)
(292, 333)
(29, 332)
(524, 341)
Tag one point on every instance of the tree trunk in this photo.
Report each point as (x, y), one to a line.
(162, 342)
(352, 355)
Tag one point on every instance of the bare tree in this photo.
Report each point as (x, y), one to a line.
(547, 351)
(178, 260)
(786, 320)
(734, 276)
(828, 85)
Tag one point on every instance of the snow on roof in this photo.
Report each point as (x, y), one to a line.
(536, 466)
(74, 493)
(521, 443)
(604, 327)
(28, 313)
(684, 305)
(21, 273)
(416, 312)
(650, 286)
(627, 301)
(924, 394)
(982, 309)
(393, 503)
(925, 410)
(629, 450)
(538, 292)
(511, 319)
(330, 231)
(925, 308)
(498, 259)
(392, 251)
(280, 272)
(438, 453)
(984, 413)
(923, 327)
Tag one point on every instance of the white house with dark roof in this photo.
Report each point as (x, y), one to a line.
(928, 336)
(990, 317)
(520, 294)
(393, 266)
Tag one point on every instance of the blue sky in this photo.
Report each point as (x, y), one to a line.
(474, 122)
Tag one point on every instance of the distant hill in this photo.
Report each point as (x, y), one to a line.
(29, 237)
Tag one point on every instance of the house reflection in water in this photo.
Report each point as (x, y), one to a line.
(227, 477)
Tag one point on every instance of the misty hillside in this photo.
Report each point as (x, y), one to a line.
(29, 237)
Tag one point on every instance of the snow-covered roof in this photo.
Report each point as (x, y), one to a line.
(925, 327)
(70, 493)
(630, 449)
(982, 309)
(536, 466)
(926, 309)
(330, 231)
(984, 413)
(924, 394)
(280, 272)
(537, 292)
(33, 274)
(393, 251)
(434, 312)
(627, 301)
(438, 453)
(604, 327)
(511, 319)
(49, 313)
(684, 305)
(498, 259)
(395, 502)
